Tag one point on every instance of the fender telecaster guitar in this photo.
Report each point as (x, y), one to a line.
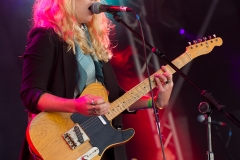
(67, 136)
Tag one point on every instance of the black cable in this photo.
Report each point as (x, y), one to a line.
(222, 142)
(229, 136)
(150, 85)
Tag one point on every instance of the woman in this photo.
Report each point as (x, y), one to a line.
(68, 49)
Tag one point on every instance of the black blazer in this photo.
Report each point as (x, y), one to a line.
(50, 67)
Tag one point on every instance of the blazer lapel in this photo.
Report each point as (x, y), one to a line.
(69, 65)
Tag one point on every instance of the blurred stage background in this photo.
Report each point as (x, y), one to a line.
(183, 135)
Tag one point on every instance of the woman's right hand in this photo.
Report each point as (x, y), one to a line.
(90, 105)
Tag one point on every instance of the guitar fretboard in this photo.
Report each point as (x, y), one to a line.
(130, 97)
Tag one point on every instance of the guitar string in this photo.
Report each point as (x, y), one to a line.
(89, 125)
(88, 122)
(137, 91)
(94, 123)
(94, 126)
(95, 120)
(121, 102)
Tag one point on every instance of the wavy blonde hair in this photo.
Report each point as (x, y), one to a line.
(60, 16)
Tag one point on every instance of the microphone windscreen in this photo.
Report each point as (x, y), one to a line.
(95, 8)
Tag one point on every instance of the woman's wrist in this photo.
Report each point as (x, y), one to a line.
(150, 103)
(156, 103)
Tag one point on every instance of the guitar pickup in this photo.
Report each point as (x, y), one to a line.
(75, 137)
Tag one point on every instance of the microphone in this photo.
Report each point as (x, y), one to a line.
(97, 8)
(201, 119)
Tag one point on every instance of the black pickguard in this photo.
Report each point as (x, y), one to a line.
(102, 136)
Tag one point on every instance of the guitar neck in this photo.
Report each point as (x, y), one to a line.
(130, 97)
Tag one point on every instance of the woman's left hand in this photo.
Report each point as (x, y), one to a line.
(164, 84)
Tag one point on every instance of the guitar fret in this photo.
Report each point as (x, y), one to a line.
(118, 109)
(109, 116)
(114, 111)
(120, 103)
(126, 101)
(136, 92)
(111, 113)
(144, 88)
(134, 95)
(188, 55)
(170, 69)
(115, 105)
(183, 60)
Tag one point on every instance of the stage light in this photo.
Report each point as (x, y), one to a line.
(181, 31)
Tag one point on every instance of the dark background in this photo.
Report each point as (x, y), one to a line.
(217, 72)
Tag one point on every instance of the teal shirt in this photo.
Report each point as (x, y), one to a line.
(89, 68)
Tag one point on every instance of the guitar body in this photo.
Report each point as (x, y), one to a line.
(46, 136)
(45, 133)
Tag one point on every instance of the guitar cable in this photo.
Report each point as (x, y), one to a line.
(150, 85)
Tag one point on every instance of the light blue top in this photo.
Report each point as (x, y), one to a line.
(89, 70)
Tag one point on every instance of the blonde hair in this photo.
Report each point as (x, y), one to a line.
(60, 16)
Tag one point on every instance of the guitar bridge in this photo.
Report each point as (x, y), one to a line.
(75, 137)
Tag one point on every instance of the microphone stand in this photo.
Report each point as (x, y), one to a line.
(118, 18)
(207, 95)
(204, 93)
(207, 110)
(210, 155)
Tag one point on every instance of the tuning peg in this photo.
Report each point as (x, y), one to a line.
(204, 38)
(209, 37)
(190, 44)
(194, 41)
(216, 39)
(200, 41)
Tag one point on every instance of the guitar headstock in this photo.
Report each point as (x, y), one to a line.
(203, 46)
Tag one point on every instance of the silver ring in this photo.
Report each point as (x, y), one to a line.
(168, 81)
(92, 102)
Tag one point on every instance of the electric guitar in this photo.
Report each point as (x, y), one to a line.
(72, 136)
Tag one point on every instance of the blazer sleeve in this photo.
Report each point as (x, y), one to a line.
(111, 83)
(38, 61)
